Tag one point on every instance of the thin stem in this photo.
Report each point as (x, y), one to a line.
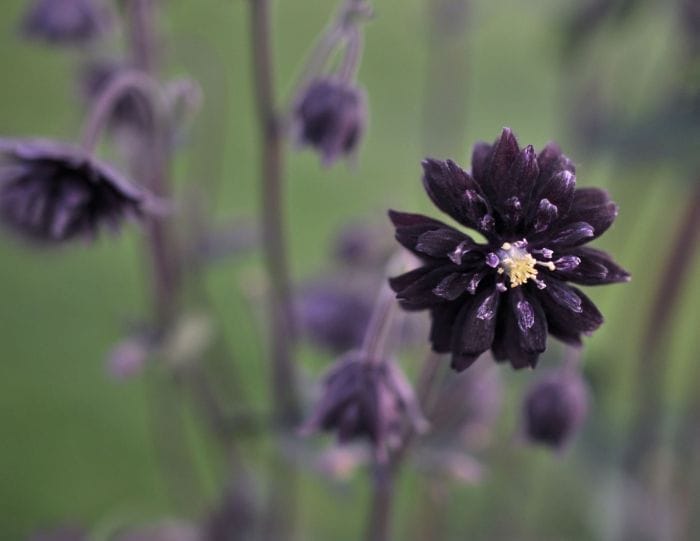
(125, 82)
(381, 503)
(385, 473)
(284, 375)
(353, 52)
(374, 341)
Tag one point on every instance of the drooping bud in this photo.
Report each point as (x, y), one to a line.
(330, 117)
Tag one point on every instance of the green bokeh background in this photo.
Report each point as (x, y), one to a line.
(75, 446)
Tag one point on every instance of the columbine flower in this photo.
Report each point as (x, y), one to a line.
(331, 117)
(66, 21)
(369, 400)
(555, 407)
(507, 293)
(54, 192)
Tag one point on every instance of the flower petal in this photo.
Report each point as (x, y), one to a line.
(455, 192)
(443, 318)
(593, 206)
(595, 268)
(411, 227)
(531, 320)
(420, 294)
(564, 312)
(499, 184)
(475, 328)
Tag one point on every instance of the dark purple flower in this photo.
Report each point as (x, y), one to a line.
(369, 400)
(73, 22)
(554, 408)
(54, 192)
(507, 293)
(331, 117)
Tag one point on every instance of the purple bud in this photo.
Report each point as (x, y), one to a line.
(554, 408)
(331, 117)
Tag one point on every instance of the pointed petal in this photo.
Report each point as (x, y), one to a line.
(481, 160)
(475, 328)
(594, 268)
(593, 206)
(568, 307)
(447, 185)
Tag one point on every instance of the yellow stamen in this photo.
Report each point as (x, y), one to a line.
(518, 264)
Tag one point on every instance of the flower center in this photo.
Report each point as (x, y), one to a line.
(518, 264)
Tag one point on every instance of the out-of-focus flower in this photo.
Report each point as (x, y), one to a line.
(332, 317)
(554, 408)
(52, 192)
(330, 117)
(131, 111)
(508, 293)
(64, 533)
(362, 245)
(72, 22)
(368, 400)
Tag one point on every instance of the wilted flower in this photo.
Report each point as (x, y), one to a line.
(333, 317)
(370, 400)
(66, 21)
(508, 293)
(362, 245)
(164, 531)
(54, 192)
(554, 408)
(331, 117)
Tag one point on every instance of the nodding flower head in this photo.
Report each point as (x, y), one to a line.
(554, 408)
(365, 400)
(509, 292)
(52, 192)
(331, 117)
(74, 22)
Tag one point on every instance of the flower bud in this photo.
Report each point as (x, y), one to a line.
(331, 117)
(554, 408)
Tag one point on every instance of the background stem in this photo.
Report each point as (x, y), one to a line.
(284, 376)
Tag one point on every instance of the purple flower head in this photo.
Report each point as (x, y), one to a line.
(554, 408)
(52, 192)
(369, 400)
(507, 293)
(331, 117)
(66, 22)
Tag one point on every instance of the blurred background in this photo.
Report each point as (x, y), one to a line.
(616, 84)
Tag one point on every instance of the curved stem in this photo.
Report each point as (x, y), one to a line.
(373, 344)
(125, 82)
